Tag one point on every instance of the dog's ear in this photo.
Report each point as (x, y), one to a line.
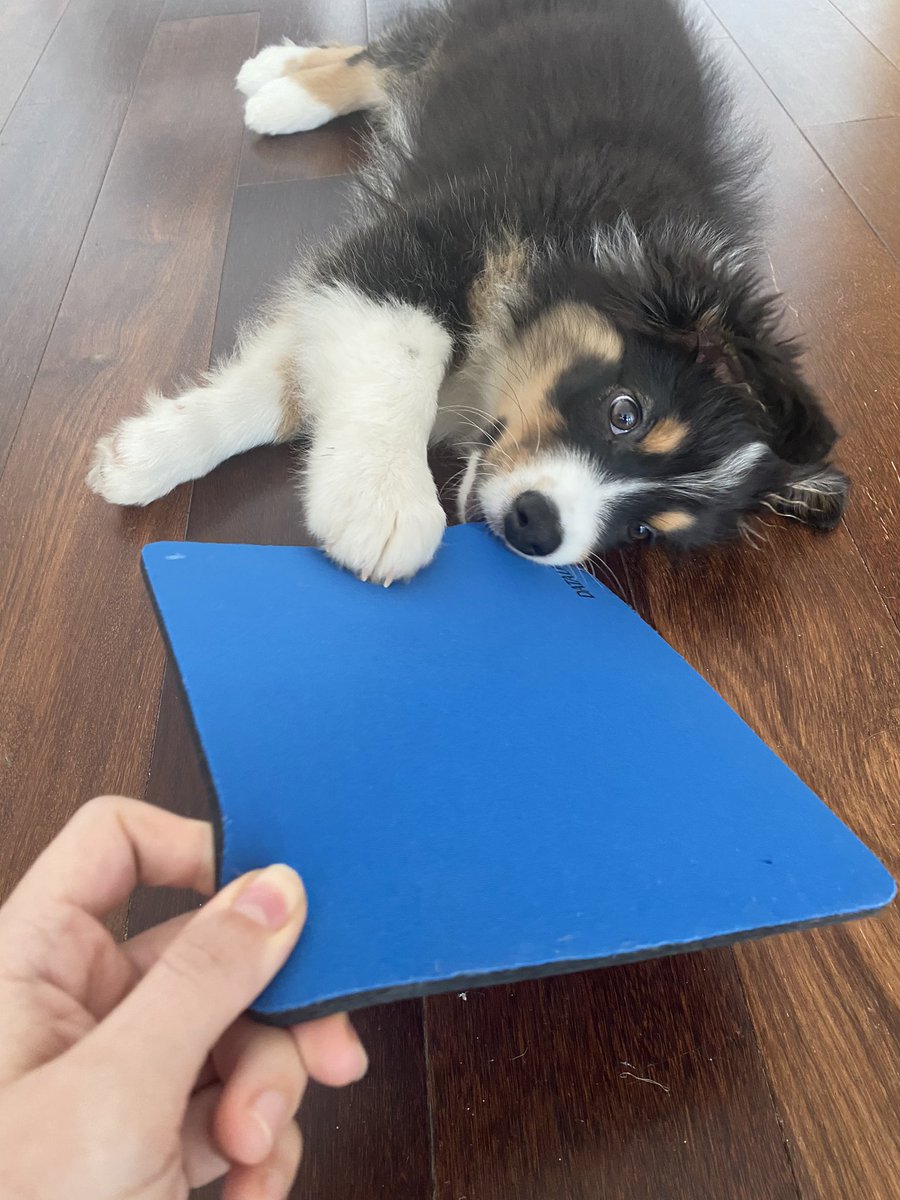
(798, 429)
(800, 434)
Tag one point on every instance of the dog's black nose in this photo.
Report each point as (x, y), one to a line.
(532, 525)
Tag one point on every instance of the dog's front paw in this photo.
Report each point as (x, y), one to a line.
(383, 532)
(144, 457)
(270, 63)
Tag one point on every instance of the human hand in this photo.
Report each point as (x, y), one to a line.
(128, 1070)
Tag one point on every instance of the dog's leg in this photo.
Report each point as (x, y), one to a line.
(371, 370)
(291, 89)
(254, 400)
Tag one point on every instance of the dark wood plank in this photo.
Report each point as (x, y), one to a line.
(80, 660)
(879, 20)
(54, 153)
(332, 150)
(372, 1139)
(636, 1082)
(865, 157)
(820, 66)
(25, 28)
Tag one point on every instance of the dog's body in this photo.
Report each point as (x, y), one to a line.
(554, 269)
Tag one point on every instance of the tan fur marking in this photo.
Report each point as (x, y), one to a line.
(342, 87)
(666, 436)
(672, 522)
(530, 368)
(291, 404)
(321, 56)
(504, 271)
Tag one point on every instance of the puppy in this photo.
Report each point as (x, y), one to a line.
(554, 268)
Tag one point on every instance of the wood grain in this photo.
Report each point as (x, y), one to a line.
(80, 660)
(25, 28)
(819, 66)
(372, 1139)
(865, 158)
(54, 153)
(640, 1083)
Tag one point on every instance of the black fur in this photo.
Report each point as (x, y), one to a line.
(600, 133)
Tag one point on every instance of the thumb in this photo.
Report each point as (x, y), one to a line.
(204, 979)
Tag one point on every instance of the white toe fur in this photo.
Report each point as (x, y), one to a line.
(269, 64)
(173, 440)
(284, 106)
(382, 526)
(145, 457)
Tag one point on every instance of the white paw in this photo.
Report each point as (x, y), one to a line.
(269, 64)
(385, 531)
(146, 456)
(283, 106)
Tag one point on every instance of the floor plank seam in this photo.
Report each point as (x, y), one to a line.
(884, 604)
(77, 255)
(37, 62)
(862, 33)
(429, 1086)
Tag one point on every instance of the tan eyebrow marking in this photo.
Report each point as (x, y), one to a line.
(666, 436)
(672, 521)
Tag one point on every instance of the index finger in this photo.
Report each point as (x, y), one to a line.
(111, 845)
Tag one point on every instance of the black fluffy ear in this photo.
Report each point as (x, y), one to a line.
(815, 495)
(799, 431)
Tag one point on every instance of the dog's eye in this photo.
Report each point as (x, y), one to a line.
(641, 532)
(624, 414)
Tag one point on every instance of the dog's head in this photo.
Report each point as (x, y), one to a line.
(646, 395)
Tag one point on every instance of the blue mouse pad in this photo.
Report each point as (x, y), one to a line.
(493, 772)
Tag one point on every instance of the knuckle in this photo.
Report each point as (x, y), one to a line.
(101, 810)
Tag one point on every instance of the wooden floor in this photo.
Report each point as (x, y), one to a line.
(138, 222)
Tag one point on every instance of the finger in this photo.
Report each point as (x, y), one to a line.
(264, 1080)
(202, 1159)
(144, 949)
(272, 1179)
(110, 846)
(331, 1050)
(203, 980)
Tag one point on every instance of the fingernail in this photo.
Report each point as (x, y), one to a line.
(269, 1109)
(272, 897)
